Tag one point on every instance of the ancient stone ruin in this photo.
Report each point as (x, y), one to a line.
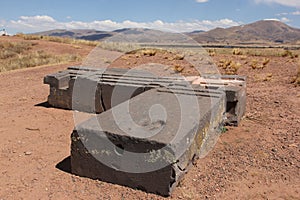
(148, 130)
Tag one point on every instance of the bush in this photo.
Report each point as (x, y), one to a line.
(230, 67)
(296, 79)
(237, 51)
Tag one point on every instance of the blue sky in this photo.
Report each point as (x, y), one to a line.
(170, 15)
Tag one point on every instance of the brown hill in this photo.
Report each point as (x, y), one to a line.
(257, 32)
(260, 32)
(85, 34)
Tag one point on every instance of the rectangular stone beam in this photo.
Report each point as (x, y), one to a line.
(132, 83)
(66, 87)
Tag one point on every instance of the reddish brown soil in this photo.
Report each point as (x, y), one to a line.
(258, 160)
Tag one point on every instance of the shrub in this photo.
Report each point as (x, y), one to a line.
(178, 68)
(237, 51)
(229, 66)
(296, 79)
(288, 53)
(148, 52)
(266, 61)
(254, 64)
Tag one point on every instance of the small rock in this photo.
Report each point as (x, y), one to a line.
(274, 150)
(293, 145)
(28, 153)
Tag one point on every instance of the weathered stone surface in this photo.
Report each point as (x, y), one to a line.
(235, 88)
(150, 128)
(236, 105)
(86, 95)
(58, 80)
(94, 89)
(114, 94)
(149, 141)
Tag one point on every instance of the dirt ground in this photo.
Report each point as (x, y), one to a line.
(260, 159)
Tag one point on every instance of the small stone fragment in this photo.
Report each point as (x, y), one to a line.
(27, 153)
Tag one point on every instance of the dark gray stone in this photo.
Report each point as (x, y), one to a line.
(86, 95)
(148, 142)
(150, 129)
(236, 95)
(59, 80)
(235, 104)
(131, 83)
(115, 93)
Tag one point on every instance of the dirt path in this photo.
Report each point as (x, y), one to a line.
(258, 160)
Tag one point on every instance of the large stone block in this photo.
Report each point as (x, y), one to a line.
(97, 90)
(149, 141)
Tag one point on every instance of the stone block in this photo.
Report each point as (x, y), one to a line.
(149, 141)
(235, 88)
(134, 82)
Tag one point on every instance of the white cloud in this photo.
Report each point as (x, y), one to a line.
(296, 12)
(291, 13)
(202, 1)
(285, 19)
(31, 24)
(291, 3)
(38, 18)
(272, 19)
(282, 14)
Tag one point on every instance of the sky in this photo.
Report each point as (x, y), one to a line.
(30, 16)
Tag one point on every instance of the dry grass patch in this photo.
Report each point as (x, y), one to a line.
(230, 67)
(148, 52)
(259, 52)
(288, 53)
(20, 55)
(119, 46)
(237, 51)
(296, 79)
(259, 64)
(12, 49)
(178, 68)
(64, 40)
(266, 61)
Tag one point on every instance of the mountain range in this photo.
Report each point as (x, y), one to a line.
(260, 32)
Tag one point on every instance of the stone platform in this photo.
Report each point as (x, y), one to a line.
(148, 130)
(91, 90)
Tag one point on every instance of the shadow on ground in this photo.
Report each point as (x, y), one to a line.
(44, 104)
(65, 165)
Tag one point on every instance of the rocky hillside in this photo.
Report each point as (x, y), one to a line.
(258, 32)
(265, 31)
